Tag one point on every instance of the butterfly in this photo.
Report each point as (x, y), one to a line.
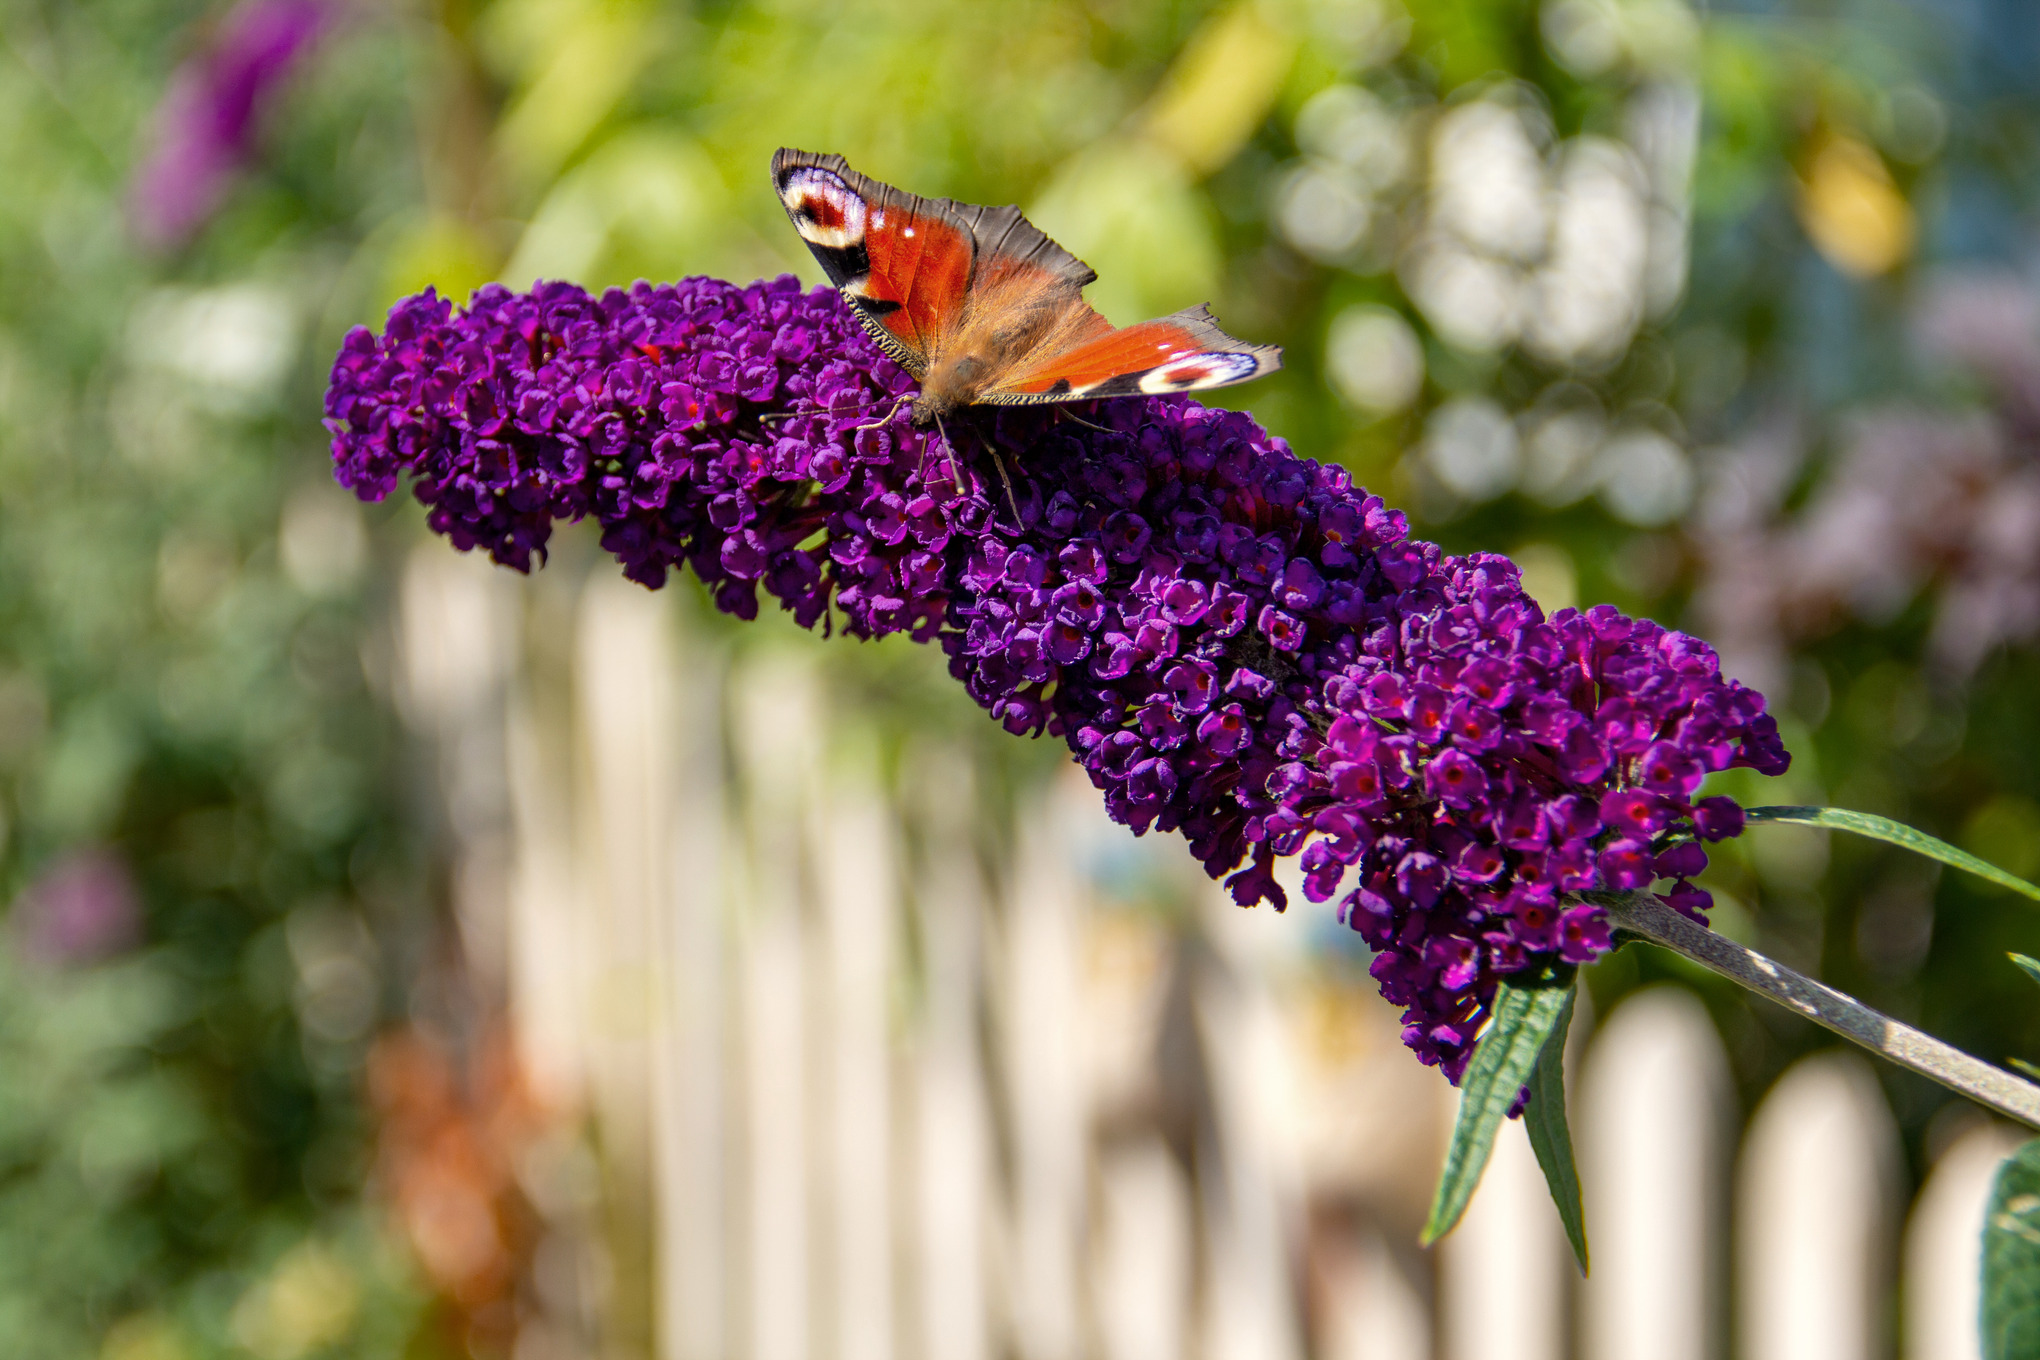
(982, 308)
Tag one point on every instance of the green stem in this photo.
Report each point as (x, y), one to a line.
(1644, 916)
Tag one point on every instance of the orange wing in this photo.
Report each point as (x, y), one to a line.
(1181, 353)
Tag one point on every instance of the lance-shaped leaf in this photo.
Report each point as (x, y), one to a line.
(1894, 833)
(1503, 1060)
(2011, 1260)
(1550, 1135)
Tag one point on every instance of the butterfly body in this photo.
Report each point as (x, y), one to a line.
(981, 307)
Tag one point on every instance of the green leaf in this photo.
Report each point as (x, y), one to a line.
(1895, 833)
(1502, 1063)
(2031, 967)
(1551, 1138)
(2011, 1260)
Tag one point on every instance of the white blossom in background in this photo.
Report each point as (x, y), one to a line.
(321, 540)
(1323, 211)
(1470, 446)
(1587, 299)
(1488, 183)
(1356, 129)
(233, 344)
(1488, 215)
(1591, 37)
(1559, 448)
(1662, 125)
(1356, 34)
(1355, 148)
(1644, 478)
(1374, 358)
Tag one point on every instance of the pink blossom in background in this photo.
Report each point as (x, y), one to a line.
(1916, 499)
(83, 908)
(207, 123)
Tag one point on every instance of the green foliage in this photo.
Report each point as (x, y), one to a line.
(184, 599)
(1895, 833)
(2011, 1259)
(1544, 1119)
(1525, 1021)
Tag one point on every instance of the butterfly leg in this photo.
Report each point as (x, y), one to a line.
(949, 452)
(1067, 414)
(1012, 502)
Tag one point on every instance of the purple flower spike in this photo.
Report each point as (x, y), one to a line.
(1236, 643)
(206, 124)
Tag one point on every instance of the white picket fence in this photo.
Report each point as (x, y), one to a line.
(867, 1075)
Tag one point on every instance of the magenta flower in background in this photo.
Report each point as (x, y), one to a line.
(81, 909)
(206, 126)
(1235, 642)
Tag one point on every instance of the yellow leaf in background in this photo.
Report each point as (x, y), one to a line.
(645, 204)
(442, 251)
(1220, 88)
(310, 1300)
(145, 1336)
(584, 75)
(1852, 210)
(2006, 831)
(1130, 206)
(1549, 576)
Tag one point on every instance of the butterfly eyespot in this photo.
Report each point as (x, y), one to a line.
(1199, 370)
(821, 212)
(828, 212)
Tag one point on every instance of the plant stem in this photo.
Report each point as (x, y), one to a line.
(1643, 915)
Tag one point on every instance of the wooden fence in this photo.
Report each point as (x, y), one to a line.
(839, 1069)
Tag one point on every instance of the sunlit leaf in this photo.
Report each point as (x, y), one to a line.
(1524, 1019)
(1551, 1137)
(1895, 833)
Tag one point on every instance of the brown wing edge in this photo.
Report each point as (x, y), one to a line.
(1004, 233)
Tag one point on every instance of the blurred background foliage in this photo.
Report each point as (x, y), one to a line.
(1728, 316)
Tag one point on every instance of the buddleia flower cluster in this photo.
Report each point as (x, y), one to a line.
(1237, 643)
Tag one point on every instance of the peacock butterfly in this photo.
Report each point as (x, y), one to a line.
(982, 308)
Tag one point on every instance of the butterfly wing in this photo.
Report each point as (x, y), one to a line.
(901, 260)
(910, 264)
(983, 286)
(1186, 352)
